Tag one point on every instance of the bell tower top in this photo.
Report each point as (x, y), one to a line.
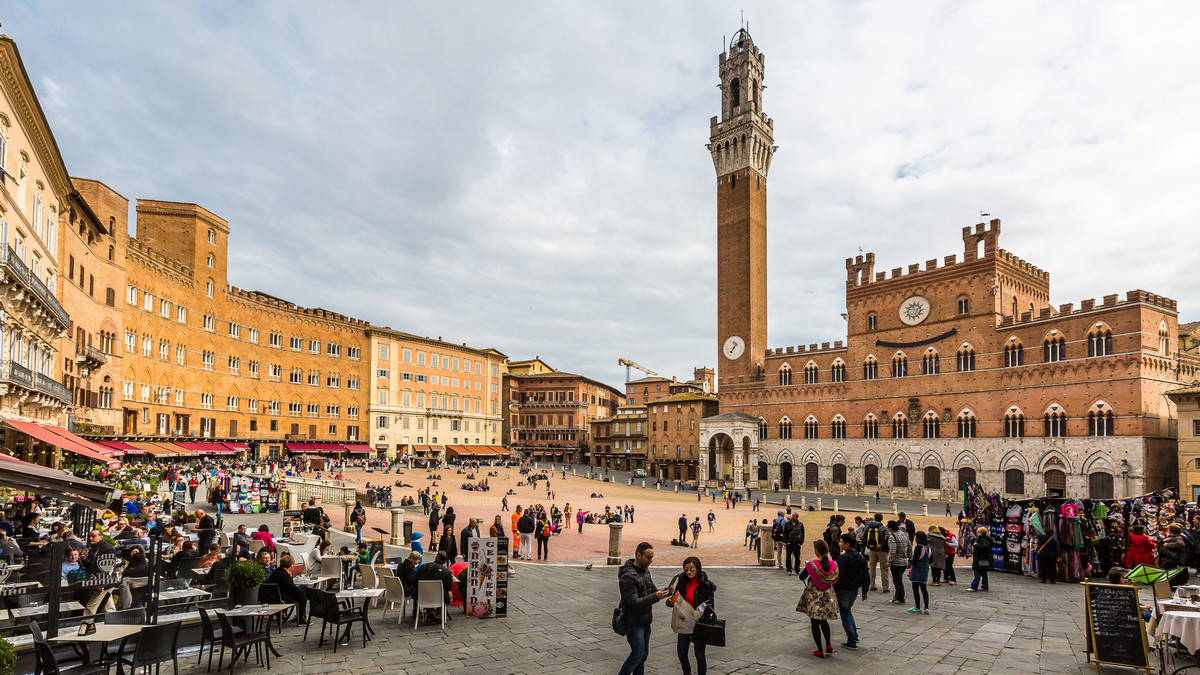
(742, 138)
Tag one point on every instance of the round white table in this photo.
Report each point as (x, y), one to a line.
(1183, 625)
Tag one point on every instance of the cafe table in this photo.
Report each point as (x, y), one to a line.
(258, 612)
(182, 594)
(105, 634)
(44, 608)
(313, 581)
(1185, 626)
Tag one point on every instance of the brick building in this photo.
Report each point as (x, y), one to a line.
(1187, 402)
(431, 398)
(646, 389)
(958, 372)
(549, 412)
(203, 359)
(675, 433)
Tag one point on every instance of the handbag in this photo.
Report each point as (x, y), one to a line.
(709, 630)
(618, 622)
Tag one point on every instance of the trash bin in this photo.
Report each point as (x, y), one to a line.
(408, 531)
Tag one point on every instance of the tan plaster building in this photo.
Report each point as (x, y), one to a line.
(675, 433)
(549, 412)
(427, 394)
(622, 441)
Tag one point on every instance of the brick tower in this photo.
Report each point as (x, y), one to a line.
(741, 146)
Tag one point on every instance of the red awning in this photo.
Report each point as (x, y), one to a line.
(237, 447)
(357, 448)
(123, 447)
(90, 445)
(205, 448)
(314, 447)
(45, 435)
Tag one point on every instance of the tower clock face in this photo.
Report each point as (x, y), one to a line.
(733, 348)
(914, 310)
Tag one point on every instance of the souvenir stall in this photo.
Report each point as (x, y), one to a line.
(252, 494)
(1091, 534)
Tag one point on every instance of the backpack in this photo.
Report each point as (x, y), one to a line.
(546, 531)
(777, 531)
(875, 539)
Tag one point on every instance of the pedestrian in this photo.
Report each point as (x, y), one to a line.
(359, 517)
(696, 532)
(714, 496)
(435, 521)
(793, 538)
(579, 518)
(818, 600)
(908, 526)
(899, 554)
(751, 527)
(543, 537)
(1047, 557)
(638, 596)
(504, 503)
(833, 531)
(981, 560)
(712, 518)
(631, 514)
(877, 496)
(949, 512)
(937, 554)
(918, 573)
(876, 542)
(777, 538)
(683, 528)
(852, 580)
(192, 485)
(951, 550)
(526, 525)
(692, 587)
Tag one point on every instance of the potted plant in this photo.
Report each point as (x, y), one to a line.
(8, 657)
(244, 578)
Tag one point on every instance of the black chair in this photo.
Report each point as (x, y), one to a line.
(335, 615)
(270, 594)
(126, 617)
(316, 604)
(240, 644)
(46, 664)
(155, 646)
(210, 635)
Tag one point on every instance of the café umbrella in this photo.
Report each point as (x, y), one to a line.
(1148, 576)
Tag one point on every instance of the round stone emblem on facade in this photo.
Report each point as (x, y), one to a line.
(914, 310)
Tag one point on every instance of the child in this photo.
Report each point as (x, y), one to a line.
(918, 572)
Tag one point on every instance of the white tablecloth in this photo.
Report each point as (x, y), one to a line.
(1183, 625)
(1186, 591)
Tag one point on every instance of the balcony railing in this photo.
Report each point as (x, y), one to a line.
(96, 356)
(8, 258)
(49, 385)
(22, 376)
(551, 404)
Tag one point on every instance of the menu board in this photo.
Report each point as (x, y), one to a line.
(290, 520)
(487, 577)
(1115, 630)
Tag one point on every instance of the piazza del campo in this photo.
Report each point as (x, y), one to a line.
(413, 452)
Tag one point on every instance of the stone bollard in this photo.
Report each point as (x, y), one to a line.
(895, 509)
(925, 510)
(866, 507)
(643, 483)
(658, 486)
(397, 527)
(818, 503)
(614, 544)
(349, 517)
(803, 502)
(835, 506)
(787, 500)
(573, 471)
(631, 480)
(677, 487)
(766, 548)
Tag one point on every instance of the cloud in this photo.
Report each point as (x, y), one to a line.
(533, 177)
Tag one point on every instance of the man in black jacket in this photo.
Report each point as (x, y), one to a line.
(638, 596)
(471, 530)
(793, 536)
(206, 530)
(525, 527)
(683, 528)
(437, 570)
(311, 516)
(852, 580)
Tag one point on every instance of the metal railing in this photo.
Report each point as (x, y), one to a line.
(20, 374)
(9, 258)
(96, 355)
(49, 385)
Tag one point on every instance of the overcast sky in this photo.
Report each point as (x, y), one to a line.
(532, 175)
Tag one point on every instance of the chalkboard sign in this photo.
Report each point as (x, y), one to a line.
(375, 551)
(1116, 633)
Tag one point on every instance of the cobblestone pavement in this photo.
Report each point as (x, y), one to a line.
(558, 623)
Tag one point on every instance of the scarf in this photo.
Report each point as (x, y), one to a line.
(822, 579)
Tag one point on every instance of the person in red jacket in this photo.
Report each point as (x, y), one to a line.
(1141, 549)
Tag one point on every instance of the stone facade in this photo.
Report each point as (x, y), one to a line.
(426, 391)
(675, 435)
(1187, 402)
(549, 412)
(622, 441)
(953, 365)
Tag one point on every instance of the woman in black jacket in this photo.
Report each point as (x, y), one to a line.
(693, 587)
(289, 592)
(407, 573)
(448, 543)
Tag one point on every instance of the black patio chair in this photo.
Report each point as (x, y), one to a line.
(336, 616)
(240, 644)
(155, 646)
(269, 594)
(47, 664)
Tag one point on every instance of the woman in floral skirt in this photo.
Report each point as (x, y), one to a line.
(818, 600)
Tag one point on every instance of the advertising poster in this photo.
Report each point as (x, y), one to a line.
(487, 577)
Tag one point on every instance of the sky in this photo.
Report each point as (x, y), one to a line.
(532, 176)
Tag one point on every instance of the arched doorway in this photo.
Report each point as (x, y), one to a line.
(811, 473)
(1056, 483)
(762, 471)
(966, 475)
(785, 475)
(1100, 486)
(900, 476)
(712, 465)
(871, 475)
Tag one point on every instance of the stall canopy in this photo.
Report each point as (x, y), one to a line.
(206, 448)
(477, 450)
(46, 434)
(356, 448)
(237, 447)
(428, 448)
(315, 447)
(163, 450)
(123, 447)
(91, 445)
(47, 482)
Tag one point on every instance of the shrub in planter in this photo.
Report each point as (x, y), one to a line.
(245, 574)
(8, 657)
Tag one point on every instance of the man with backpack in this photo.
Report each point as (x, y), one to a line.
(833, 531)
(777, 538)
(875, 539)
(793, 534)
(525, 527)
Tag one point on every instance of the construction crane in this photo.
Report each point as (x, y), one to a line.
(630, 364)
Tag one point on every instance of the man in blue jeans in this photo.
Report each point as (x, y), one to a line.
(852, 580)
(638, 596)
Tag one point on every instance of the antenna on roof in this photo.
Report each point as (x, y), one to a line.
(742, 14)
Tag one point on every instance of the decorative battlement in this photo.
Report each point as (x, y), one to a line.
(810, 349)
(158, 257)
(989, 235)
(1027, 268)
(261, 298)
(1108, 302)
